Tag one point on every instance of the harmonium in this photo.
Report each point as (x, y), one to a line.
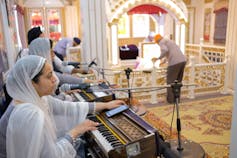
(95, 93)
(124, 135)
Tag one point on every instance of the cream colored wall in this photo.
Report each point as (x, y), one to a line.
(169, 26)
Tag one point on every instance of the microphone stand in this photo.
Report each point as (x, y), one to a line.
(186, 148)
(139, 109)
(127, 72)
(102, 72)
(176, 91)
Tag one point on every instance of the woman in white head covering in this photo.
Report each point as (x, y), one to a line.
(41, 47)
(41, 126)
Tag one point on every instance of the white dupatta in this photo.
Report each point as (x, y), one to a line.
(31, 130)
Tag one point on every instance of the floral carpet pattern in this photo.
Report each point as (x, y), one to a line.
(206, 122)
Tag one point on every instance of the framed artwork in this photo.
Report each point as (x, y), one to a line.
(207, 24)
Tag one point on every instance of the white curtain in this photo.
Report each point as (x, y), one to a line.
(72, 22)
(21, 24)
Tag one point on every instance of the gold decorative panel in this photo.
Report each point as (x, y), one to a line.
(208, 1)
(187, 2)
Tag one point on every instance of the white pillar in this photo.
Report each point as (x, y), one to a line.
(153, 84)
(231, 38)
(192, 63)
(93, 20)
(161, 24)
(182, 37)
(177, 33)
(231, 48)
(200, 50)
(233, 138)
(114, 44)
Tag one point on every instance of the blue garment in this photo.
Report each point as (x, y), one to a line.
(61, 46)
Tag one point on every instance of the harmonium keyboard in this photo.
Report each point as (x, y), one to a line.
(94, 93)
(125, 135)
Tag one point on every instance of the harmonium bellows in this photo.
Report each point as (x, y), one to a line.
(124, 135)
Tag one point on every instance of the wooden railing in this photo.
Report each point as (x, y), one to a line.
(205, 53)
(207, 74)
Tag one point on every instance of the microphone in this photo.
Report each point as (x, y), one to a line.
(92, 63)
(73, 63)
(67, 87)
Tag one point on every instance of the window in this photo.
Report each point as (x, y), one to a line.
(48, 19)
(54, 24)
(36, 18)
(220, 26)
(123, 27)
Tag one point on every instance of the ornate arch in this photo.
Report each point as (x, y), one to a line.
(118, 7)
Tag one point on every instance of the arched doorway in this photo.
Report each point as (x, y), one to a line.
(117, 9)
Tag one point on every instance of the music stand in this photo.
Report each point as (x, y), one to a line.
(183, 148)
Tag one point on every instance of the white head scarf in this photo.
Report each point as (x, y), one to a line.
(19, 86)
(41, 47)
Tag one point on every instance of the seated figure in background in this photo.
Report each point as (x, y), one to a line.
(62, 45)
(41, 47)
(63, 67)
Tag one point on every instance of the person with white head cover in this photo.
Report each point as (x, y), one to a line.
(41, 47)
(150, 37)
(41, 126)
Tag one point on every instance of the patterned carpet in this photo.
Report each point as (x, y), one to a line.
(206, 122)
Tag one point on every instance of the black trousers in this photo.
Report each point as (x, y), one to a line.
(174, 72)
(59, 56)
